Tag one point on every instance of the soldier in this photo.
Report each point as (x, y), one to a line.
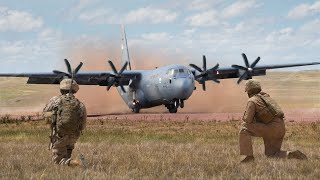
(263, 118)
(67, 116)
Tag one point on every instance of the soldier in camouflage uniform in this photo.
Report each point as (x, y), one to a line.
(263, 118)
(63, 144)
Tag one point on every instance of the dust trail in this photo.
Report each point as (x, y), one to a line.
(224, 97)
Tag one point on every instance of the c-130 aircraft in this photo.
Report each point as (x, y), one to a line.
(169, 85)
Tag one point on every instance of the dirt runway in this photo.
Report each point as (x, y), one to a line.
(298, 115)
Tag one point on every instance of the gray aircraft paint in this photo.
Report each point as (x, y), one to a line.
(156, 87)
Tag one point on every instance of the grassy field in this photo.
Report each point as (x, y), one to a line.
(122, 149)
(292, 90)
(14, 92)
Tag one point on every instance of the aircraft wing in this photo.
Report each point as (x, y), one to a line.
(116, 78)
(236, 71)
(225, 73)
(82, 78)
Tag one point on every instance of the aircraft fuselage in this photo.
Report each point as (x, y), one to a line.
(166, 85)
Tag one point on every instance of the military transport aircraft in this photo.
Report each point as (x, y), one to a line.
(169, 85)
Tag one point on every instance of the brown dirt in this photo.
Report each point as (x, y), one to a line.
(298, 115)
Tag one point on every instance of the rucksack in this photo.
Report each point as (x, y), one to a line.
(68, 115)
(272, 106)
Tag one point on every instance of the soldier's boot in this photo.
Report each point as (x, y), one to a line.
(247, 159)
(74, 163)
(69, 152)
(296, 155)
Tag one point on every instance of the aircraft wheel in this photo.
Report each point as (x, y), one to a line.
(182, 103)
(136, 109)
(173, 110)
(176, 103)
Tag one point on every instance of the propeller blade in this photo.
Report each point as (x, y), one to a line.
(68, 66)
(242, 77)
(122, 88)
(112, 67)
(123, 67)
(196, 67)
(239, 67)
(204, 86)
(110, 84)
(204, 63)
(215, 67)
(216, 80)
(59, 72)
(255, 62)
(78, 68)
(198, 76)
(245, 60)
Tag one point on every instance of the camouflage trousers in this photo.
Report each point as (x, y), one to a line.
(272, 134)
(62, 148)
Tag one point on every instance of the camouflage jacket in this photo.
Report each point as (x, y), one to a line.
(53, 103)
(257, 110)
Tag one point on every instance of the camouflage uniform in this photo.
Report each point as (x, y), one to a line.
(63, 143)
(259, 122)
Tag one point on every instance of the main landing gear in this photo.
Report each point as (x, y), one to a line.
(137, 107)
(174, 105)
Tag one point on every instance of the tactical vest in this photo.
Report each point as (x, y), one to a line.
(68, 115)
(270, 111)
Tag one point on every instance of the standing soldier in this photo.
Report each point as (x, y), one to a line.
(67, 116)
(263, 118)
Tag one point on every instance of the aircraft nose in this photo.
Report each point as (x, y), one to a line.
(185, 88)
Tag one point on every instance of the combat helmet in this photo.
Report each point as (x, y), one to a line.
(65, 85)
(252, 86)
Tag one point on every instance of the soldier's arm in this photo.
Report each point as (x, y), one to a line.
(47, 111)
(84, 117)
(248, 116)
(53, 102)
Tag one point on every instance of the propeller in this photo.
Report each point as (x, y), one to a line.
(115, 78)
(71, 73)
(247, 71)
(203, 76)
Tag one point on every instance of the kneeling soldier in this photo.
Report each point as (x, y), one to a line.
(67, 116)
(263, 118)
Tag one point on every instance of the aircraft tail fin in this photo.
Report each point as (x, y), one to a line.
(124, 48)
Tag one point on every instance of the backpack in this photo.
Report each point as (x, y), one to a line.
(68, 115)
(272, 106)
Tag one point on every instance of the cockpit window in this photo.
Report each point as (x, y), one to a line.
(175, 72)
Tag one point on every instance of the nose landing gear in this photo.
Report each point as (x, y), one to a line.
(181, 103)
(174, 105)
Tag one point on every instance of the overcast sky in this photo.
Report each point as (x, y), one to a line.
(35, 33)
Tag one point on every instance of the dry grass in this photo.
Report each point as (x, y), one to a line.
(123, 149)
(292, 90)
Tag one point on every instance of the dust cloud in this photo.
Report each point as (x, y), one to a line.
(224, 97)
(227, 96)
